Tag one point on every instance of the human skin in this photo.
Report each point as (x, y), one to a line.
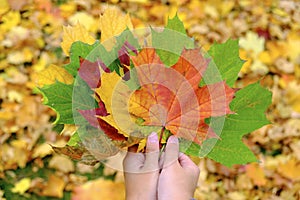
(150, 176)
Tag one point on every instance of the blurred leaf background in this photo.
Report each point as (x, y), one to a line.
(30, 37)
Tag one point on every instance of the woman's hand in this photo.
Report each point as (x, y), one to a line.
(179, 176)
(141, 171)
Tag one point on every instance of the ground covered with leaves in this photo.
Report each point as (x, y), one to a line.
(30, 37)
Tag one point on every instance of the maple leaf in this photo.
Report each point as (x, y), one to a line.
(90, 72)
(256, 173)
(73, 34)
(248, 117)
(22, 186)
(55, 186)
(171, 98)
(51, 74)
(223, 67)
(66, 99)
(99, 189)
(115, 93)
(290, 169)
(112, 23)
(168, 50)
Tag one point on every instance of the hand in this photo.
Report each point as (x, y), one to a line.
(179, 176)
(141, 171)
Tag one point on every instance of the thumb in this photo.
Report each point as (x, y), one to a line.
(185, 161)
(172, 151)
(152, 152)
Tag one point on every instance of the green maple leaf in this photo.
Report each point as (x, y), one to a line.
(225, 63)
(61, 98)
(79, 49)
(171, 41)
(249, 106)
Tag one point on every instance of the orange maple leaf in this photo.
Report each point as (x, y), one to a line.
(170, 97)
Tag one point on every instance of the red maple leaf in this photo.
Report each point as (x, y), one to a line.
(171, 97)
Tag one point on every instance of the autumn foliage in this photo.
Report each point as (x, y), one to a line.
(63, 54)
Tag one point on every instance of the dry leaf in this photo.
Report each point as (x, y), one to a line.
(55, 186)
(56, 163)
(99, 189)
(42, 150)
(290, 169)
(256, 173)
(22, 186)
(85, 19)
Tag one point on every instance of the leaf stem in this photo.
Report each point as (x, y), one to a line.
(161, 134)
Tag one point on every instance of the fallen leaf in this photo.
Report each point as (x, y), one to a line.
(293, 43)
(99, 189)
(9, 20)
(85, 19)
(42, 150)
(252, 43)
(22, 186)
(256, 173)
(4, 7)
(295, 146)
(17, 5)
(290, 169)
(56, 163)
(55, 186)
(293, 95)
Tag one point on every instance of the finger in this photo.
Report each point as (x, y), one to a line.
(187, 164)
(133, 162)
(185, 161)
(172, 151)
(152, 152)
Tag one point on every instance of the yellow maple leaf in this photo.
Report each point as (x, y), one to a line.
(276, 49)
(115, 94)
(42, 150)
(51, 74)
(290, 169)
(22, 186)
(293, 43)
(108, 83)
(256, 173)
(9, 20)
(99, 189)
(4, 7)
(244, 56)
(55, 187)
(252, 43)
(73, 34)
(293, 95)
(86, 20)
(112, 23)
(56, 163)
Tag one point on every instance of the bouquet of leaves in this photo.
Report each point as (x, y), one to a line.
(131, 82)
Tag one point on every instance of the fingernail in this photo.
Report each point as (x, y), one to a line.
(173, 139)
(153, 137)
